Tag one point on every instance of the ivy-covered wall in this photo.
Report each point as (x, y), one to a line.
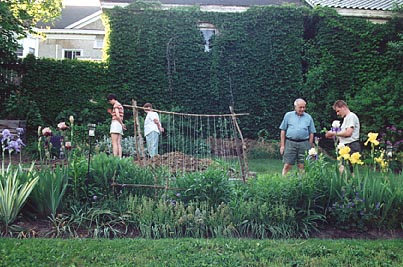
(52, 90)
(341, 57)
(254, 63)
(259, 62)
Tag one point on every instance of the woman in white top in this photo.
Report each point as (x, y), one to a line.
(152, 129)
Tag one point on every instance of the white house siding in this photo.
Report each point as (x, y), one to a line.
(54, 46)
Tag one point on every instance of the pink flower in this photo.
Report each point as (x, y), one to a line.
(62, 126)
(46, 131)
(67, 145)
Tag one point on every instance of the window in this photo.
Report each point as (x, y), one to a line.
(19, 52)
(99, 43)
(208, 30)
(71, 54)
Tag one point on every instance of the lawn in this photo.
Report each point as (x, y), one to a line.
(200, 252)
(265, 165)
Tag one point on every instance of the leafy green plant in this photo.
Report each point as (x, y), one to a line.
(67, 225)
(14, 192)
(211, 185)
(128, 146)
(105, 223)
(48, 193)
(77, 168)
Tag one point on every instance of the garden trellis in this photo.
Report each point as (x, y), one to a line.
(192, 142)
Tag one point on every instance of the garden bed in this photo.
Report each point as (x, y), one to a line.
(43, 228)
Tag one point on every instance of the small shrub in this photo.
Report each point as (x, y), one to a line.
(211, 185)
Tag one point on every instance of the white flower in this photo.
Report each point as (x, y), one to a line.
(71, 119)
(62, 126)
(67, 145)
(340, 146)
(336, 124)
(46, 131)
(312, 152)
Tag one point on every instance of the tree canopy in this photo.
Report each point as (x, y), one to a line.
(18, 18)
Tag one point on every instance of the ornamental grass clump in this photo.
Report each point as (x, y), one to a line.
(15, 187)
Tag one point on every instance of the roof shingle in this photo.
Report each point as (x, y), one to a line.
(219, 2)
(357, 4)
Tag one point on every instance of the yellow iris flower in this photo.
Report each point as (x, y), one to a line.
(382, 162)
(344, 152)
(355, 158)
(372, 139)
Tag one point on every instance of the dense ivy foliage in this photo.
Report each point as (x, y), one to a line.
(260, 61)
(58, 89)
(343, 56)
(254, 62)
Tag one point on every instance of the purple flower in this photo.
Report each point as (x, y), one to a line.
(20, 131)
(13, 145)
(178, 194)
(20, 143)
(6, 135)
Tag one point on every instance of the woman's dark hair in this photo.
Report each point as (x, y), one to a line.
(111, 96)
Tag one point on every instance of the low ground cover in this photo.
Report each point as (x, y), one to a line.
(200, 252)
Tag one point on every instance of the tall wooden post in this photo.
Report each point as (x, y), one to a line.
(137, 134)
(243, 161)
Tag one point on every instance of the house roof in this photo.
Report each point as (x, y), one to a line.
(216, 2)
(71, 15)
(384, 5)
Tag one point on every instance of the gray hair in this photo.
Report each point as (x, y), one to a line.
(298, 100)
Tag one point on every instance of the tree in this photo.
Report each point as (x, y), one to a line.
(18, 18)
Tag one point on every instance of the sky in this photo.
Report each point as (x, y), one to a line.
(81, 2)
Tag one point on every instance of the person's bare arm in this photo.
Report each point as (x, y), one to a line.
(157, 122)
(282, 142)
(119, 119)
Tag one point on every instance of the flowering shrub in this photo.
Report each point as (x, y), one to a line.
(392, 137)
(379, 160)
(55, 145)
(392, 143)
(11, 143)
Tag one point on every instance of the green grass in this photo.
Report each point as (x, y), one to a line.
(199, 252)
(265, 165)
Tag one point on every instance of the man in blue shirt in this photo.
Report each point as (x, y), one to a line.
(296, 136)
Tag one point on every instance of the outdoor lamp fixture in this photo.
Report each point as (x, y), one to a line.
(91, 133)
(91, 130)
(389, 151)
